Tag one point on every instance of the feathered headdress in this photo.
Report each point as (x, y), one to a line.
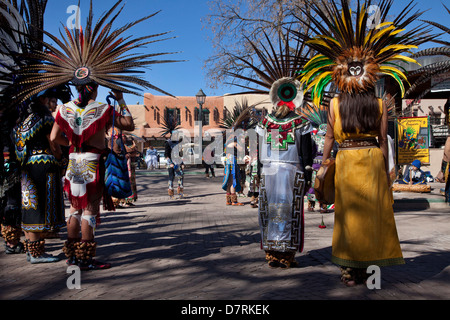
(243, 116)
(15, 33)
(277, 70)
(317, 115)
(354, 48)
(20, 34)
(96, 53)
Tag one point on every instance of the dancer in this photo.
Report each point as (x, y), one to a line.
(85, 173)
(87, 58)
(20, 38)
(284, 148)
(42, 197)
(175, 167)
(10, 190)
(252, 178)
(14, 39)
(352, 57)
(240, 120)
(286, 157)
(318, 117)
(232, 174)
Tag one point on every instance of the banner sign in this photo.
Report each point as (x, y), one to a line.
(413, 140)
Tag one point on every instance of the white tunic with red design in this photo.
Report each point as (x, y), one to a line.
(83, 177)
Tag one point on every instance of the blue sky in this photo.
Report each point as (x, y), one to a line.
(183, 18)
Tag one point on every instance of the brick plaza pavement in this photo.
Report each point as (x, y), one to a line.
(200, 249)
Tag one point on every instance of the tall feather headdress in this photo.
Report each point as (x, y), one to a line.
(96, 53)
(276, 69)
(243, 116)
(354, 48)
(16, 32)
(275, 62)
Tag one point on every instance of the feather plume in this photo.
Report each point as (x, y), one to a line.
(243, 116)
(14, 41)
(421, 78)
(273, 64)
(351, 52)
(317, 115)
(94, 53)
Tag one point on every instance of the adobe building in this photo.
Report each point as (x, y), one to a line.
(261, 102)
(185, 109)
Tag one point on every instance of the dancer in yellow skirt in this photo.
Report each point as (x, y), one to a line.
(353, 50)
(364, 232)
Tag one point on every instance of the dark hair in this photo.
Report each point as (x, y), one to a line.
(33, 106)
(360, 111)
(85, 93)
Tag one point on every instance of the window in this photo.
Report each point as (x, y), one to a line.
(205, 117)
(435, 118)
(174, 114)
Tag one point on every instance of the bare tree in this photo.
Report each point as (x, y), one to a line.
(234, 22)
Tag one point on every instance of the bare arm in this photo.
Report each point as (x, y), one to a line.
(56, 149)
(329, 136)
(125, 121)
(56, 136)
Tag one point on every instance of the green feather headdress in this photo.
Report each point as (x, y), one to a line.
(355, 47)
(317, 115)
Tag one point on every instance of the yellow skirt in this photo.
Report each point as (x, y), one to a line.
(364, 231)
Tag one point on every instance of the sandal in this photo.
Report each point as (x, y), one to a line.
(347, 277)
(353, 276)
(94, 265)
(18, 248)
(287, 264)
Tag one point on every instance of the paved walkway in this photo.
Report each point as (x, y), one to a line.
(197, 248)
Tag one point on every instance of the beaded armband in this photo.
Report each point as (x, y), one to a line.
(124, 111)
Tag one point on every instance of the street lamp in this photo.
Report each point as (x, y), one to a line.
(201, 97)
